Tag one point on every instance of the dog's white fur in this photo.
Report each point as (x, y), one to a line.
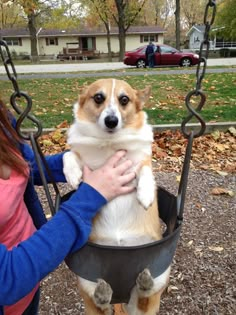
(130, 219)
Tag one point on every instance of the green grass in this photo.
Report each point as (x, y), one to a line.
(53, 99)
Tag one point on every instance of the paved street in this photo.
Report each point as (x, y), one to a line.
(95, 66)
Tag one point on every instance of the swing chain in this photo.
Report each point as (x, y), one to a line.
(200, 73)
(17, 94)
(195, 112)
(31, 136)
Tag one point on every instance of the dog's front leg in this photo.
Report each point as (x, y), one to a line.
(146, 186)
(72, 169)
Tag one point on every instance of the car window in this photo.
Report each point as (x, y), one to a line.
(136, 49)
(167, 50)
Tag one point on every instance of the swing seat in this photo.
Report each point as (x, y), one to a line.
(120, 266)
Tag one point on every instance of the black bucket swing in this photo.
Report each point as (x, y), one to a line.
(95, 261)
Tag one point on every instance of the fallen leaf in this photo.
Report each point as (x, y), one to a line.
(172, 288)
(222, 191)
(232, 130)
(178, 178)
(216, 134)
(47, 142)
(190, 243)
(216, 248)
(222, 173)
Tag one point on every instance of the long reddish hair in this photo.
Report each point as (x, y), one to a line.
(9, 143)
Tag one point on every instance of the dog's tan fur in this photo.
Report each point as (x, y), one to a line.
(129, 219)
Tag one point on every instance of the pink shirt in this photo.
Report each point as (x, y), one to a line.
(16, 225)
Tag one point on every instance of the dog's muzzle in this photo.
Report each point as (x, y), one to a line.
(111, 121)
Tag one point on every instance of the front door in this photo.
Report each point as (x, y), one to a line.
(87, 43)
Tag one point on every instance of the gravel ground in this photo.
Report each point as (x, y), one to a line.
(203, 270)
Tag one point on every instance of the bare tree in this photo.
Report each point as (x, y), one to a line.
(33, 9)
(127, 11)
(103, 11)
(192, 16)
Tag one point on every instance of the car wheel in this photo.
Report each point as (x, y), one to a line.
(185, 62)
(141, 63)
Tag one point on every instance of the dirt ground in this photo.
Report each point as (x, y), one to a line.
(203, 271)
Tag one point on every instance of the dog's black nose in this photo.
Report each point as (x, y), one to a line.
(111, 121)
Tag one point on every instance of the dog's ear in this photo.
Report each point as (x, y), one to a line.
(143, 96)
(82, 96)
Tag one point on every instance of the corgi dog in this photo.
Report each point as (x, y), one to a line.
(109, 117)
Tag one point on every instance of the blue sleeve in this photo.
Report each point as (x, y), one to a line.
(25, 265)
(54, 162)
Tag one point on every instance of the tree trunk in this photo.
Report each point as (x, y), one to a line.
(109, 47)
(177, 24)
(122, 42)
(108, 41)
(33, 38)
(120, 5)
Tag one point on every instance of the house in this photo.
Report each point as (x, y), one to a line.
(77, 43)
(196, 36)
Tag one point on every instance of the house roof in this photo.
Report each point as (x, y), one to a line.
(198, 28)
(201, 29)
(24, 32)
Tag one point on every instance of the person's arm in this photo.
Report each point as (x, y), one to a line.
(54, 163)
(25, 265)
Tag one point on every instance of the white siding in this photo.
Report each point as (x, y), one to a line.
(132, 42)
(24, 49)
(195, 39)
(43, 49)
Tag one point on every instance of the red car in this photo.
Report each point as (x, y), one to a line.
(164, 56)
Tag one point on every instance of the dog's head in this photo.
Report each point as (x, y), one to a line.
(112, 105)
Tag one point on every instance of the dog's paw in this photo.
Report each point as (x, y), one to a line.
(145, 197)
(145, 281)
(71, 169)
(146, 188)
(102, 294)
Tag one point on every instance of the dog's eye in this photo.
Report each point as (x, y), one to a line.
(124, 100)
(99, 98)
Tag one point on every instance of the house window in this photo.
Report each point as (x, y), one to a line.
(148, 38)
(51, 41)
(13, 41)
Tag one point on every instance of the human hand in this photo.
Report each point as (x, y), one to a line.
(111, 180)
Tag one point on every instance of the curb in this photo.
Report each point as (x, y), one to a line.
(210, 127)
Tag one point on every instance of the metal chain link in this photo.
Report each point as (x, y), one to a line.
(17, 94)
(200, 73)
(190, 135)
